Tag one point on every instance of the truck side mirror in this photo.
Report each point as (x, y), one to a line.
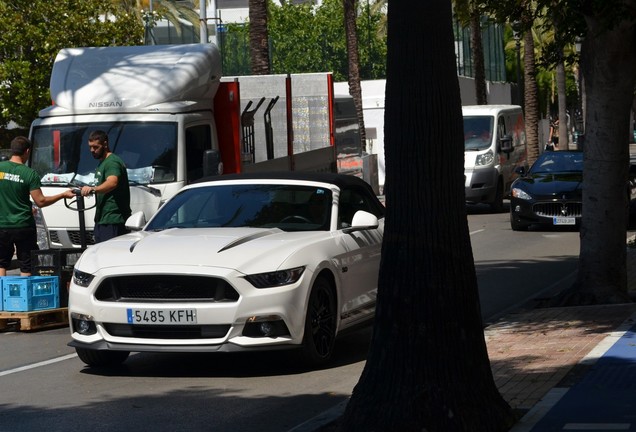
(505, 143)
(212, 164)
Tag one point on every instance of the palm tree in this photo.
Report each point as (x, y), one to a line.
(469, 14)
(259, 38)
(151, 11)
(355, 89)
(427, 315)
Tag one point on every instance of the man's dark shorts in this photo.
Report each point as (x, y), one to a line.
(20, 240)
(103, 232)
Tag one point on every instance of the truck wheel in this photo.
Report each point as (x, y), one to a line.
(497, 205)
(100, 358)
(320, 324)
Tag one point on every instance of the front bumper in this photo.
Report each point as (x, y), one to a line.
(480, 185)
(544, 212)
(220, 326)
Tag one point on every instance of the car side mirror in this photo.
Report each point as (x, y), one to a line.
(521, 170)
(505, 143)
(212, 164)
(136, 221)
(362, 220)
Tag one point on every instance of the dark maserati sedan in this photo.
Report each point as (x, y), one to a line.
(549, 193)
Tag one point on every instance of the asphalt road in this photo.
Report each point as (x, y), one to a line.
(44, 386)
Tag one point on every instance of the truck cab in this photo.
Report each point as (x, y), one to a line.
(173, 119)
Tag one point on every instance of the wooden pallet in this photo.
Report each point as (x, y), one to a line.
(34, 320)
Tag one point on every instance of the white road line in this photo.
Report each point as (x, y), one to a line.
(478, 231)
(597, 426)
(36, 365)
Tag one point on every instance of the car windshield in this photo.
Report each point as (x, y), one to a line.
(61, 156)
(288, 207)
(477, 132)
(558, 162)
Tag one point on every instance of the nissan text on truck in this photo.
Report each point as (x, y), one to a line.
(173, 119)
(494, 145)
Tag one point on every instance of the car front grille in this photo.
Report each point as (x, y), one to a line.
(165, 288)
(74, 236)
(168, 331)
(571, 209)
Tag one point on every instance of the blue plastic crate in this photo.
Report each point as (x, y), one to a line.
(30, 293)
(1, 293)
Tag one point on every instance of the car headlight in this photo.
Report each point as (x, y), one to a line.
(275, 278)
(519, 193)
(82, 279)
(485, 159)
(41, 229)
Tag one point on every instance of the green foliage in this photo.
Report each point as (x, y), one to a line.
(34, 32)
(307, 39)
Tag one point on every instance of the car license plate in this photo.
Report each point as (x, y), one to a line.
(560, 220)
(162, 316)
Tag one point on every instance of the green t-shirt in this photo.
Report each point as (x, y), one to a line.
(16, 183)
(113, 207)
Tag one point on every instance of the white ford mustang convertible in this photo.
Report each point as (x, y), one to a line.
(237, 263)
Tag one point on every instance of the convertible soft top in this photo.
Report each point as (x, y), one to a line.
(340, 180)
(343, 181)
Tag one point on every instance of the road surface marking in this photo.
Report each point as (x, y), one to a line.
(36, 365)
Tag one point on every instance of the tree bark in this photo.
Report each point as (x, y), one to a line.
(259, 39)
(478, 55)
(531, 91)
(609, 70)
(355, 89)
(427, 368)
(561, 97)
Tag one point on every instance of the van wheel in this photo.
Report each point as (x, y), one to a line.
(99, 358)
(497, 205)
(320, 324)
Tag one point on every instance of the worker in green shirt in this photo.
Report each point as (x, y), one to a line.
(112, 193)
(19, 184)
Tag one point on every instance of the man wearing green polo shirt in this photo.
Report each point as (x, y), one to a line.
(19, 185)
(112, 193)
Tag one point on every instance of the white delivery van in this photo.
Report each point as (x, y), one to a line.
(494, 145)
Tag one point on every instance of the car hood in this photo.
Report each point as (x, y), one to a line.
(551, 184)
(243, 249)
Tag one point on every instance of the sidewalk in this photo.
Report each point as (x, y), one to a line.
(541, 358)
(560, 369)
(569, 368)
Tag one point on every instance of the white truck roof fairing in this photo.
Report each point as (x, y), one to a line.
(152, 78)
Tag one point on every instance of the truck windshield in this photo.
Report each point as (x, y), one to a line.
(60, 152)
(477, 132)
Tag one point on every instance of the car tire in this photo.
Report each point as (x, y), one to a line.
(320, 324)
(100, 358)
(497, 205)
(517, 225)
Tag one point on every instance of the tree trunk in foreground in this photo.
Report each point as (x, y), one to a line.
(428, 366)
(609, 69)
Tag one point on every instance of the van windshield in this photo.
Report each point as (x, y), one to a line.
(60, 152)
(478, 132)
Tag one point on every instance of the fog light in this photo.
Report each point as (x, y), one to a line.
(83, 324)
(267, 329)
(266, 326)
(517, 208)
